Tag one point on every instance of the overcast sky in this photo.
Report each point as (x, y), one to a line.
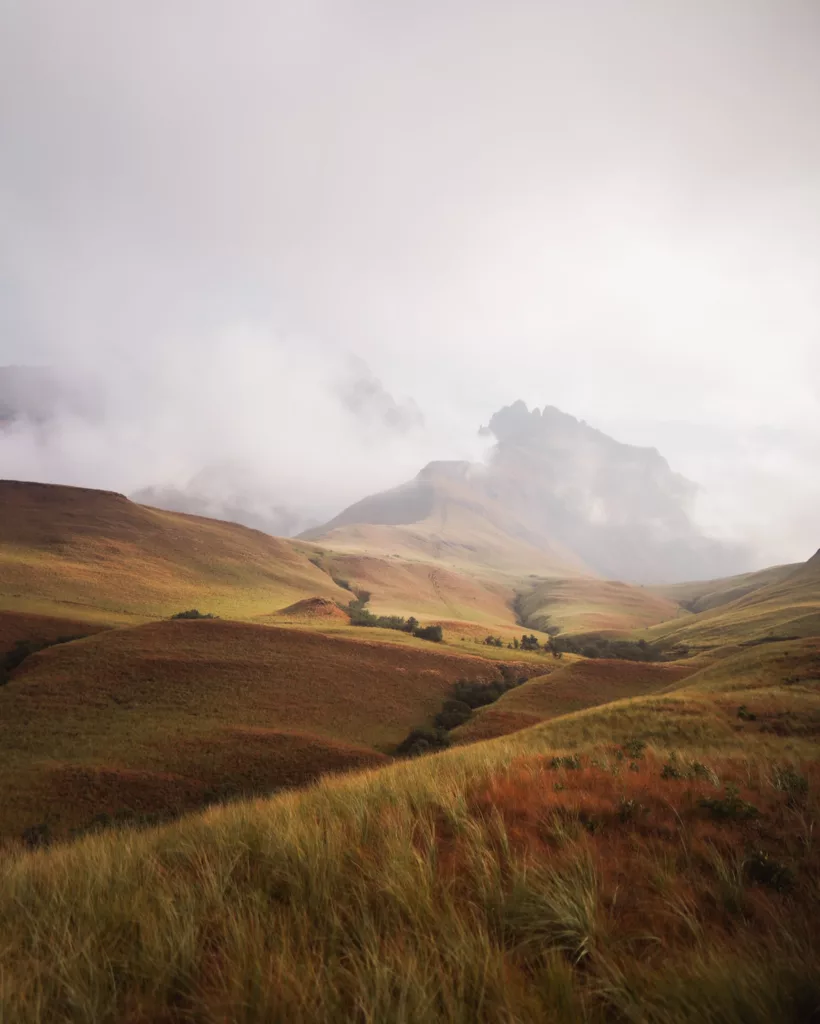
(328, 239)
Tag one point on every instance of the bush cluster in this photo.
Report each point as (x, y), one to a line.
(361, 616)
(468, 694)
(526, 643)
(606, 647)
(194, 613)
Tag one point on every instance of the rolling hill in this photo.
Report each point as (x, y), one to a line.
(580, 685)
(646, 860)
(703, 595)
(786, 606)
(580, 606)
(157, 717)
(89, 554)
(98, 558)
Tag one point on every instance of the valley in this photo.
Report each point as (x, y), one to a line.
(265, 742)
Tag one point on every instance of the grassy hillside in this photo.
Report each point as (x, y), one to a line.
(442, 517)
(402, 587)
(787, 607)
(157, 717)
(24, 626)
(96, 555)
(99, 558)
(567, 873)
(593, 606)
(574, 687)
(704, 595)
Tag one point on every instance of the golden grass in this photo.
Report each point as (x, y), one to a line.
(81, 553)
(405, 587)
(579, 605)
(574, 687)
(485, 884)
(788, 607)
(704, 595)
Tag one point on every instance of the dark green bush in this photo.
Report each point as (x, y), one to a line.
(730, 807)
(422, 741)
(453, 714)
(434, 633)
(572, 762)
(194, 613)
(764, 869)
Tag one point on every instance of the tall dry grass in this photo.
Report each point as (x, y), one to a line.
(478, 885)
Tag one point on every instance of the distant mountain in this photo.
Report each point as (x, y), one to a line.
(556, 496)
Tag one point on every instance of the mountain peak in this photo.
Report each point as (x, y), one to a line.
(572, 495)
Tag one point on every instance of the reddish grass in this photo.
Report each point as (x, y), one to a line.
(654, 846)
(216, 702)
(225, 763)
(579, 685)
(312, 609)
(16, 626)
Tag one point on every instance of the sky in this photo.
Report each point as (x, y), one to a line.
(321, 243)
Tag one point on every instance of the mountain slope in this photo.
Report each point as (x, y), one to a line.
(788, 607)
(448, 515)
(86, 553)
(592, 606)
(704, 595)
(557, 497)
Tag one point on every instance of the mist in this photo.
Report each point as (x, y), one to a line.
(295, 252)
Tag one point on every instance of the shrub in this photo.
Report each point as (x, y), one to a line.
(571, 762)
(422, 741)
(765, 870)
(453, 714)
(36, 836)
(730, 807)
(634, 749)
(194, 613)
(434, 633)
(790, 782)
